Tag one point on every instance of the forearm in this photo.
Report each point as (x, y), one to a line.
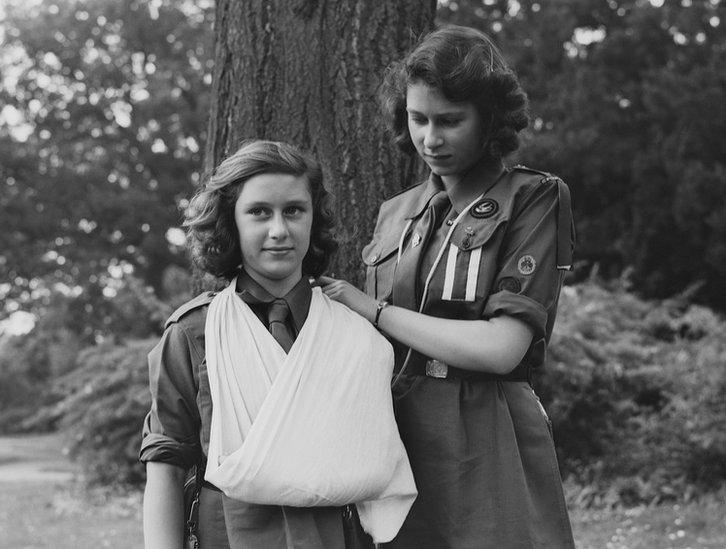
(163, 506)
(494, 346)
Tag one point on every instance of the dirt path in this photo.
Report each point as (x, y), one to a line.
(34, 458)
(42, 505)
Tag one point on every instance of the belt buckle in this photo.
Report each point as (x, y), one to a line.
(437, 369)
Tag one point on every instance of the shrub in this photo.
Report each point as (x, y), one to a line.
(636, 392)
(103, 406)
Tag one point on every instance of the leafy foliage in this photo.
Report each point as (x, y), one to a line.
(628, 103)
(636, 393)
(104, 403)
(111, 101)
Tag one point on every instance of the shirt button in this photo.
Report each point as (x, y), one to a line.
(374, 258)
(449, 222)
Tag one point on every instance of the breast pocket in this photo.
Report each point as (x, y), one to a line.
(380, 258)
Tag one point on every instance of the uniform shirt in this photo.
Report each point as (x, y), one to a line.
(176, 431)
(479, 444)
(507, 255)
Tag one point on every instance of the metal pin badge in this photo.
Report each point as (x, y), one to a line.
(469, 232)
(485, 208)
(416, 240)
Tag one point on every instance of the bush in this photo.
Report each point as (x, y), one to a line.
(103, 406)
(636, 392)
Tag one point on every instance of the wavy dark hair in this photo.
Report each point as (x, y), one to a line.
(465, 65)
(213, 238)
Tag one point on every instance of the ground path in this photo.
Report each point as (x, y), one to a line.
(42, 505)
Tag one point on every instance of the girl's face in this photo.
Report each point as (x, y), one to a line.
(274, 217)
(449, 136)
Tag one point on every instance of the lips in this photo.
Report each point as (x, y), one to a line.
(278, 250)
(437, 157)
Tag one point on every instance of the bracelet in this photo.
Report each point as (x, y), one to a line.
(381, 305)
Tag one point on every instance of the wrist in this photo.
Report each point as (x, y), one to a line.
(379, 310)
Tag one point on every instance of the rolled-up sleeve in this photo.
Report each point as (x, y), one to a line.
(171, 428)
(528, 279)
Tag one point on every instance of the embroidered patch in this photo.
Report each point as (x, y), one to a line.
(416, 240)
(509, 284)
(484, 208)
(526, 265)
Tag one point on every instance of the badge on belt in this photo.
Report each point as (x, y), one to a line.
(436, 368)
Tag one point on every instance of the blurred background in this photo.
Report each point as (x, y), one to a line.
(104, 109)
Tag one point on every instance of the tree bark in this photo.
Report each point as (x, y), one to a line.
(307, 72)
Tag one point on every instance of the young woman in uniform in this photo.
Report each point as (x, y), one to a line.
(263, 223)
(463, 274)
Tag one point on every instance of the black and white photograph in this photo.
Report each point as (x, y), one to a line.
(352, 274)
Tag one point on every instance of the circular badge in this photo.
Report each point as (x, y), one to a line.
(509, 284)
(526, 265)
(485, 208)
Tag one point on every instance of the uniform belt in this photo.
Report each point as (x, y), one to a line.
(440, 370)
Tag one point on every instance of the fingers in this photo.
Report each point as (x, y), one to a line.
(324, 280)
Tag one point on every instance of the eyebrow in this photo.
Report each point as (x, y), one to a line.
(447, 113)
(291, 202)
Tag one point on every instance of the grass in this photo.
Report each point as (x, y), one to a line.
(38, 514)
(697, 525)
(40, 507)
(63, 516)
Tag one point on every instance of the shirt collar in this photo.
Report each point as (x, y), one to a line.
(298, 299)
(434, 185)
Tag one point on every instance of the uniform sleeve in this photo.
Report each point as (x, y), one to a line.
(534, 256)
(171, 428)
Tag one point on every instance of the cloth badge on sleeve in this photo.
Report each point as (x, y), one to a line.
(484, 209)
(461, 275)
(509, 284)
(526, 265)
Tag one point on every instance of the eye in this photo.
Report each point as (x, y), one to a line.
(257, 211)
(417, 119)
(293, 211)
(450, 121)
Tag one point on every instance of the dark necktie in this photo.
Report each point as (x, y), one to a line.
(406, 290)
(276, 317)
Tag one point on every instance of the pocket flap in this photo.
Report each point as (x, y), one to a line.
(380, 249)
(473, 233)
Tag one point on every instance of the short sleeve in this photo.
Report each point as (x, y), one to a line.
(171, 428)
(535, 253)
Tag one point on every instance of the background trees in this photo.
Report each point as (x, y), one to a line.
(104, 108)
(628, 105)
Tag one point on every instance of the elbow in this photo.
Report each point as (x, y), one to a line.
(504, 364)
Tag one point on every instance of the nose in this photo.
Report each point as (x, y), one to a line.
(278, 227)
(432, 138)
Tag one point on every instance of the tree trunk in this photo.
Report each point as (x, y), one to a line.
(307, 72)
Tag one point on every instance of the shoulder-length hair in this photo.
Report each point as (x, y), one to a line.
(464, 65)
(213, 238)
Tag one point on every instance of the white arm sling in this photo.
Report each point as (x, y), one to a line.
(311, 428)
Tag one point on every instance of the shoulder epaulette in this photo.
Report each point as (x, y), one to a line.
(200, 301)
(523, 168)
(546, 177)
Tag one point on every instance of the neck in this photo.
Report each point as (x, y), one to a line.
(276, 288)
(465, 186)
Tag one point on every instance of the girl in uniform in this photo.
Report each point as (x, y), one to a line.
(235, 370)
(463, 274)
